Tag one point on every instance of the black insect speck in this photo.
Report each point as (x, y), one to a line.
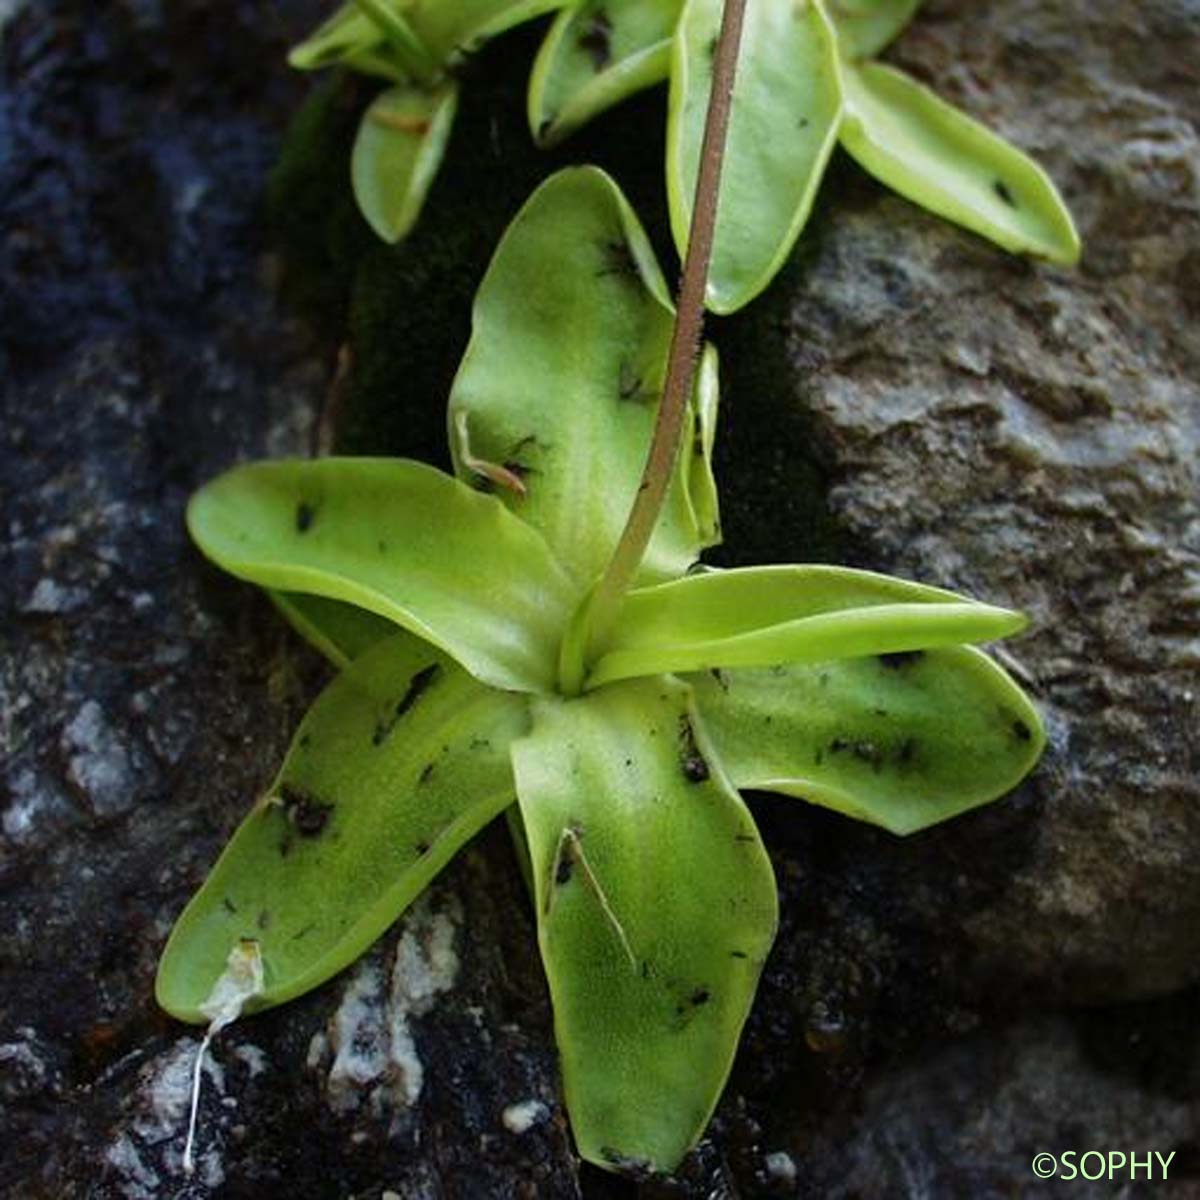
(900, 659)
(264, 920)
(422, 848)
(618, 259)
(230, 907)
(1002, 190)
(306, 814)
(515, 467)
(699, 996)
(596, 40)
(1021, 731)
(629, 384)
(416, 685)
(305, 514)
(635, 1169)
(862, 749)
(691, 761)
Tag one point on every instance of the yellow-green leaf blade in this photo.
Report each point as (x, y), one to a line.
(938, 157)
(783, 127)
(901, 741)
(656, 908)
(561, 382)
(346, 34)
(342, 632)
(596, 55)
(399, 761)
(450, 28)
(399, 147)
(864, 27)
(702, 483)
(405, 542)
(763, 616)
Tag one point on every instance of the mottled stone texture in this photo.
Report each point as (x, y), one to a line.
(1031, 435)
(905, 398)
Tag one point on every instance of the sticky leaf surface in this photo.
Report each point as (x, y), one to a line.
(656, 907)
(347, 34)
(782, 129)
(402, 540)
(864, 27)
(561, 381)
(400, 760)
(595, 55)
(903, 741)
(451, 27)
(340, 631)
(938, 157)
(400, 143)
(763, 616)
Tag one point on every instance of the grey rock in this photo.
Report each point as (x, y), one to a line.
(98, 764)
(1031, 435)
(972, 1118)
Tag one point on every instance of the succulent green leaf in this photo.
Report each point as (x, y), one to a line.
(763, 616)
(938, 157)
(391, 19)
(656, 908)
(864, 27)
(702, 484)
(380, 62)
(452, 28)
(399, 147)
(347, 34)
(342, 632)
(400, 760)
(903, 741)
(783, 127)
(405, 542)
(556, 398)
(596, 54)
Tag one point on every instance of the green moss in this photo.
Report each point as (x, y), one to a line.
(310, 210)
(772, 480)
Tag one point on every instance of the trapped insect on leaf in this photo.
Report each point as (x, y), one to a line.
(457, 609)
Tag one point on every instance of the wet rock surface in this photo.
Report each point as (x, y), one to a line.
(1032, 435)
(905, 398)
